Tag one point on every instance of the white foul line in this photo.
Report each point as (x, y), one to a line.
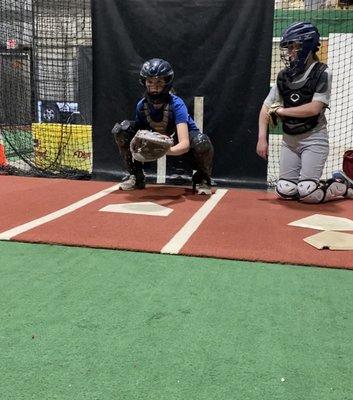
(7, 235)
(181, 237)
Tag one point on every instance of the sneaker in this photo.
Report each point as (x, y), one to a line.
(340, 176)
(204, 188)
(131, 183)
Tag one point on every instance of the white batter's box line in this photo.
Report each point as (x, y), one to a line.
(184, 234)
(9, 234)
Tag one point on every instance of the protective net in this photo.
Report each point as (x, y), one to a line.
(46, 82)
(45, 87)
(334, 20)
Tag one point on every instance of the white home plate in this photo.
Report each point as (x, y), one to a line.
(331, 240)
(142, 208)
(324, 223)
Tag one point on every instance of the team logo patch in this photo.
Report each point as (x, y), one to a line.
(294, 97)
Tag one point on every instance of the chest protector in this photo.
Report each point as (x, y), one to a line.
(295, 94)
(164, 126)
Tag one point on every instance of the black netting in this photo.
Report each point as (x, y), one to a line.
(334, 20)
(46, 82)
(45, 87)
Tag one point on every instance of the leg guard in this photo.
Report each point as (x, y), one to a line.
(123, 134)
(287, 189)
(202, 154)
(349, 193)
(340, 176)
(334, 189)
(312, 192)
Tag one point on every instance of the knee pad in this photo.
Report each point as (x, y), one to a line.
(313, 192)
(124, 132)
(334, 189)
(310, 192)
(202, 153)
(200, 143)
(286, 189)
(340, 176)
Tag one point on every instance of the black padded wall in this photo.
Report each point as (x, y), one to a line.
(220, 49)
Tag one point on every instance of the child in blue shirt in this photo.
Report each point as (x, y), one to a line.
(161, 111)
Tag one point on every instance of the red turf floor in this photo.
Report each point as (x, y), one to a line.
(245, 224)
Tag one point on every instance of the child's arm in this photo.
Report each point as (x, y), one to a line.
(183, 138)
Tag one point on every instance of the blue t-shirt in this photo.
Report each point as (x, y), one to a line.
(179, 114)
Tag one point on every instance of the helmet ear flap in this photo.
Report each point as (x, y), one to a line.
(316, 48)
(169, 80)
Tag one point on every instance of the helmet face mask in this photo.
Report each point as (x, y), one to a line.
(290, 54)
(155, 85)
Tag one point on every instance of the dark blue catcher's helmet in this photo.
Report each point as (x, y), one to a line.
(306, 35)
(157, 68)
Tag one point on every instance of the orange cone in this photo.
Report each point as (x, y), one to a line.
(3, 160)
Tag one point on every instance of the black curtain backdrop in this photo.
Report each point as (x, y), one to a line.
(220, 49)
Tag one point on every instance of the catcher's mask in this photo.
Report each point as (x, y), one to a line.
(157, 69)
(298, 41)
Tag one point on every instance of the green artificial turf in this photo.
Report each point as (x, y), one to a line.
(82, 323)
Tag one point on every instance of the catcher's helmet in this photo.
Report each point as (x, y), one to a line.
(307, 36)
(156, 68)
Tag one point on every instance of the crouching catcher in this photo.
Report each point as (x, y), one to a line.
(171, 131)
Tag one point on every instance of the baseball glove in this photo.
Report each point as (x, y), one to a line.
(149, 146)
(272, 113)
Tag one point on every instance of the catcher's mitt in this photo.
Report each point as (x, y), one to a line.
(272, 113)
(149, 146)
